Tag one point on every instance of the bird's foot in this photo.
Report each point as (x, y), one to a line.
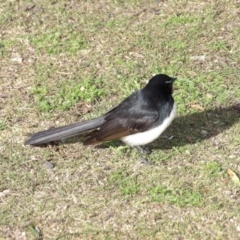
(144, 150)
(146, 161)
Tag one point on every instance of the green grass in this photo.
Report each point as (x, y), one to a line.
(128, 185)
(59, 40)
(3, 124)
(213, 169)
(63, 62)
(69, 93)
(181, 197)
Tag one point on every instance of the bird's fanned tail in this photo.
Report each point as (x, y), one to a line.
(64, 132)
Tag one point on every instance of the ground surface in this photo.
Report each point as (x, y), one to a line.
(64, 61)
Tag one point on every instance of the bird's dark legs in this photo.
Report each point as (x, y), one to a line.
(144, 151)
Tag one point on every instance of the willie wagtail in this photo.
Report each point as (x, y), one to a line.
(138, 120)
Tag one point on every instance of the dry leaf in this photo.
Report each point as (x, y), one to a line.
(135, 54)
(234, 177)
(189, 139)
(4, 192)
(191, 73)
(209, 95)
(2, 95)
(196, 106)
(198, 58)
(84, 107)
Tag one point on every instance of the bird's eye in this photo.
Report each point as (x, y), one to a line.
(170, 81)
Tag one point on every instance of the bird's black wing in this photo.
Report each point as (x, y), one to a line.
(135, 114)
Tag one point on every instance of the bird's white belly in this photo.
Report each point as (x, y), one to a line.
(148, 136)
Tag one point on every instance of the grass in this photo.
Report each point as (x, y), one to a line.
(3, 124)
(63, 62)
(68, 94)
(59, 40)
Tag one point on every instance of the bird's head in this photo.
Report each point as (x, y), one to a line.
(162, 82)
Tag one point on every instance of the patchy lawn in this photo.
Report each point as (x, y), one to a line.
(65, 61)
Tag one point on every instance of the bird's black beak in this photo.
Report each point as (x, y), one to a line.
(174, 79)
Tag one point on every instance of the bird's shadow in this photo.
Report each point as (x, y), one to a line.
(197, 127)
(188, 129)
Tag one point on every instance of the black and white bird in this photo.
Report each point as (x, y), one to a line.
(138, 120)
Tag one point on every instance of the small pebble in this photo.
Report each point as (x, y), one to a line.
(48, 165)
(107, 168)
(204, 132)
